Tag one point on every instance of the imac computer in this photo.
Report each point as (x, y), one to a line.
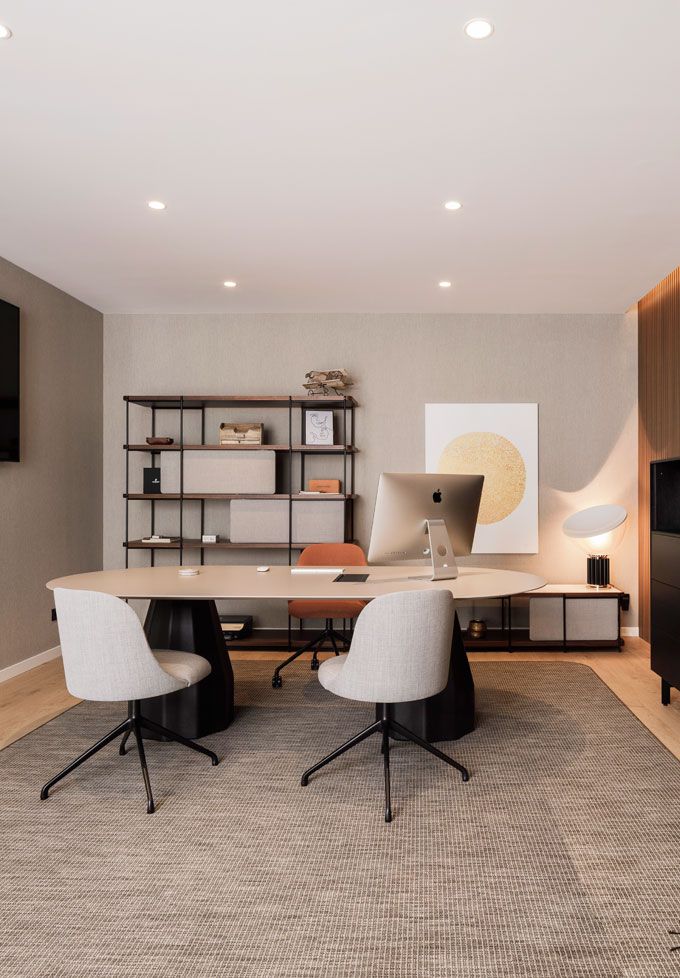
(425, 515)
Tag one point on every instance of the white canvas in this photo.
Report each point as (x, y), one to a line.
(499, 441)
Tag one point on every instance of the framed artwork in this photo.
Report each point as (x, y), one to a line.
(318, 427)
(500, 442)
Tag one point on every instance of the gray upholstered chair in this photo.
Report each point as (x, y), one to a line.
(107, 658)
(400, 652)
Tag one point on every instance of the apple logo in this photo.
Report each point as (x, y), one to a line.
(437, 496)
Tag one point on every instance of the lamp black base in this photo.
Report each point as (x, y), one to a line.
(598, 571)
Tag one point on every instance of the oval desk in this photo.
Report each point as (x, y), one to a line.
(183, 616)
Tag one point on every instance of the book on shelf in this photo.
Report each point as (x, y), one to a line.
(324, 485)
(158, 539)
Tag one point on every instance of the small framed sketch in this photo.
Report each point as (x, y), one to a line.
(319, 427)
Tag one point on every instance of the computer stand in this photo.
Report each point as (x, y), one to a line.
(444, 567)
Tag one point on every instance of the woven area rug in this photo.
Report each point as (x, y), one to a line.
(559, 858)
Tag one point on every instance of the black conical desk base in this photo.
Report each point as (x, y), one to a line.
(451, 713)
(207, 707)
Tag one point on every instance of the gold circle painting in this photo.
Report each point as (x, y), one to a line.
(501, 464)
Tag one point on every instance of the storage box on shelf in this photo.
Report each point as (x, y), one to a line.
(194, 470)
(267, 520)
(234, 472)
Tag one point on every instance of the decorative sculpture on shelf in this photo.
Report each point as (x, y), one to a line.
(327, 382)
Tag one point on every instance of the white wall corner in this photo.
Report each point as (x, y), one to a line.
(9, 672)
(630, 631)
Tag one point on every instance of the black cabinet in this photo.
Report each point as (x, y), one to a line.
(665, 573)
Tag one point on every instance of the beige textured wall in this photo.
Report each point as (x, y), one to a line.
(50, 503)
(582, 371)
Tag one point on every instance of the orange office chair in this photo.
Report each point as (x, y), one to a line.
(323, 555)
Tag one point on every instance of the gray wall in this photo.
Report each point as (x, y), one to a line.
(582, 371)
(51, 502)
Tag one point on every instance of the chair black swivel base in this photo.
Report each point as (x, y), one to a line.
(385, 726)
(132, 725)
(329, 634)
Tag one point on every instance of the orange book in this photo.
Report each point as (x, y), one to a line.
(324, 485)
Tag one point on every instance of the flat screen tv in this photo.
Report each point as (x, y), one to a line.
(9, 382)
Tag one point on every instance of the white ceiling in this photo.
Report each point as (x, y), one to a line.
(305, 149)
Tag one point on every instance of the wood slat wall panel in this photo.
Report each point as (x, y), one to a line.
(659, 405)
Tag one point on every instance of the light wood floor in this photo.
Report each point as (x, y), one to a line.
(30, 700)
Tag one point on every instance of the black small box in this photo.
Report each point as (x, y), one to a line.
(236, 626)
(152, 480)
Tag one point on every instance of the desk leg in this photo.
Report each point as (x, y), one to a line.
(451, 713)
(208, 706)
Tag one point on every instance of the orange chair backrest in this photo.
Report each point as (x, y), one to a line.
(333, 555)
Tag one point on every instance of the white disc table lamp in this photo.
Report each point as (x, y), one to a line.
(597, 530)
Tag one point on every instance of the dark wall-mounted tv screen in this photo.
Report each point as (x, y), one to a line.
(9, 382)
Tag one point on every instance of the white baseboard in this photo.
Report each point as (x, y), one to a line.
(9, 672)
(630, 631)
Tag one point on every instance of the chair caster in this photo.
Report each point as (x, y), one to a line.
(277, 682)
(465, 776)
(304, 781)
(388, 814)
(314, 665)
(150, 808)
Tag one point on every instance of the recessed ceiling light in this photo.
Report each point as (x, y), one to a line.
(5, 33)
(453, 205)
(230, 285)
(479, 29)
(156, 205)
(444, 285)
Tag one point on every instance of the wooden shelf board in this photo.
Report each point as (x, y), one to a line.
(175, 496)
(497, 640)
(277, 638)
(312, 449)
(195, 544)
(193, 401)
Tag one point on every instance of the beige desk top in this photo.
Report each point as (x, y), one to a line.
(214, 582)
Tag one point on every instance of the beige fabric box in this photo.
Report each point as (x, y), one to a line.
(266, 521)
(588, 619)
(228, 472)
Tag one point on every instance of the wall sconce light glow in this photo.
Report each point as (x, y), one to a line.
(444, 285)
(479, 29)
(156, 205)
(5, 33)
(230, 285)
(453, 205)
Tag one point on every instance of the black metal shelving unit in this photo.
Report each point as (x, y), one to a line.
(507, 638)
(342, 405)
